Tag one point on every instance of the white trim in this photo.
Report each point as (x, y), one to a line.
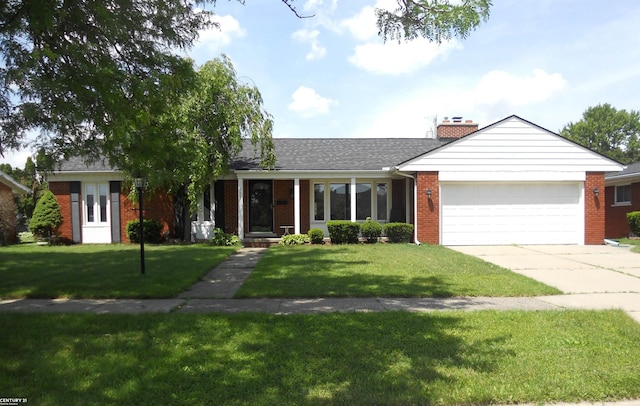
(352, 199)
(279, 175)
(519, 176)
(296, 205)
(241, 209)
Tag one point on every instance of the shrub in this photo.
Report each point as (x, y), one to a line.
(316, 236)
(371, 230)
(46, 216)
(152, 231)
(634, 222)
(294, 239)
(343, 231)
(222, 239)
(398, 232)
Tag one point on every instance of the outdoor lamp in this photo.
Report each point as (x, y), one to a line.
(596, 191)
(429, 193)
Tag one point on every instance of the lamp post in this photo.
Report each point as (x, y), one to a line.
(140, 183)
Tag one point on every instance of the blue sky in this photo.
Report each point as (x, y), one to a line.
(332, 76)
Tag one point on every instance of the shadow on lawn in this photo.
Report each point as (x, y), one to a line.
(312, 273)
(104, 271)
(383, 358)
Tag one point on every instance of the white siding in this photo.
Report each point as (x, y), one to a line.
(508, 149)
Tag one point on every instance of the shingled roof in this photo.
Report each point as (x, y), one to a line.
(346, 154)
(309, 154)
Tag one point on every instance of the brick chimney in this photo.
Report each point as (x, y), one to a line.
(456, 128)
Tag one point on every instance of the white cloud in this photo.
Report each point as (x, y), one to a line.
(394, 58)
(214, 39)
(308, 103)
(492, 97)
(500, 86)
(310, 37)
(362, 25)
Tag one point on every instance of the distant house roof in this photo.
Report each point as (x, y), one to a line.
(300, 154)
(13, 184)
(631, 171)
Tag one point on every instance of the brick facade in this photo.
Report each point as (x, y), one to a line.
(62, 192)
(428, 208)
(594, 209)
(616, 224)
(8, 208)
(158, 206)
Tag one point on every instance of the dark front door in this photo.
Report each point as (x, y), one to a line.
(260, 206)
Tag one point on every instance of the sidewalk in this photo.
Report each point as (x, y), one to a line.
(215, 294)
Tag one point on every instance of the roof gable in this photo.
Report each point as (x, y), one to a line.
(512, 145)
(14, 185)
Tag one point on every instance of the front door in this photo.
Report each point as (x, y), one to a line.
(260, 206)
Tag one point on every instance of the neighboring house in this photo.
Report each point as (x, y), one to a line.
(8, 221)
(511, 182)
(622, 195)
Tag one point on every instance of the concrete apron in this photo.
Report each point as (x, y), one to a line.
(590, 276)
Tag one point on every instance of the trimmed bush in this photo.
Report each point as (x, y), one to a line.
(294, 239)
(222, 239)
(633, 218)
(343, 231)
(152, 231)
(398, 232)
(316, 236)
(371, 231)
(46, 216)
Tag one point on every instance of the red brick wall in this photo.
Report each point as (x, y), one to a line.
(9, 206)
(616, 224)
(282, 205)
(428, 209)
(62, 193)
(305, 206)
(231, 206)
(594, 209)
(157, 206)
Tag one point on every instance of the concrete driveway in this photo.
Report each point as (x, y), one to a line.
(590, 276)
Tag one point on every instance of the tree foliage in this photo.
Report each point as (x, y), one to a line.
(611, 132)
(435, 20)
(101, 79)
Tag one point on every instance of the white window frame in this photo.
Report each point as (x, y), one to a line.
(622, 202)
(373, 183)
(96, 206)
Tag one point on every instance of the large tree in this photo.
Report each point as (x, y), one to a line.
(84, 73)
(611, 132)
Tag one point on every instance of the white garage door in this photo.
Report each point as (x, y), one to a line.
(511, 213)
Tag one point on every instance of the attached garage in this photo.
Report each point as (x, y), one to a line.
(512, 182)
(500, 213)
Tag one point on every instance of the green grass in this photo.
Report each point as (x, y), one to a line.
(103, 271)
(634, 242)
(379, 270)
(354, 359)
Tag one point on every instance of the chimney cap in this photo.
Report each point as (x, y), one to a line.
(457, 119)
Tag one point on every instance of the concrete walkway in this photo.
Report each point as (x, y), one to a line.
(594, 278)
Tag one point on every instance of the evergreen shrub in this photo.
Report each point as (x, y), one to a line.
(343, 231)
(398, 232)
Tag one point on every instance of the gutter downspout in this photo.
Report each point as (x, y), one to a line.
(395, 171)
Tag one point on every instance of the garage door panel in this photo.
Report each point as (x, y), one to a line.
(500, 213)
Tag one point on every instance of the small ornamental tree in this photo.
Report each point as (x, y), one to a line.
(46, 216)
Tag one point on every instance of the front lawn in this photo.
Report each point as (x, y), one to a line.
(390, 358)
(382, 270)
(104, 271)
